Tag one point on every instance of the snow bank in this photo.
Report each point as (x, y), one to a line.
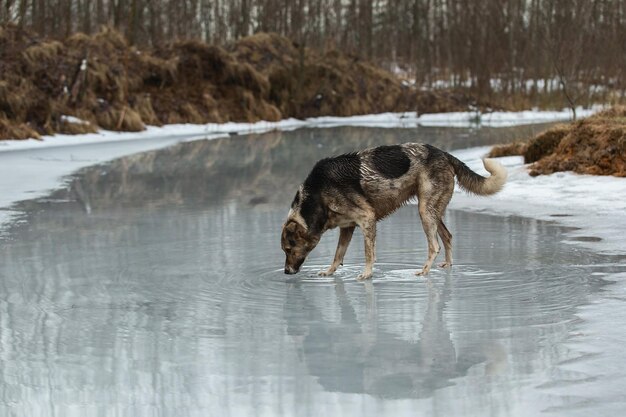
(458, 119)
(388, 120)
(182, 131)
(595, 205)
(501, 118)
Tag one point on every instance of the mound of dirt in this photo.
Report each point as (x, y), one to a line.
(544, 144)
(265, 51)
(308, 83)
(210, 85)
(595, 145)
(510, 149)
(106, 83)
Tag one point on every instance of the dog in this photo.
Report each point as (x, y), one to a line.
(361, 188)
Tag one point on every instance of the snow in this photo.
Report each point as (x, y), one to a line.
(454, 119)
(74, 120)
(389, 120)
(595, 205)
(210, 130)
(499, 84)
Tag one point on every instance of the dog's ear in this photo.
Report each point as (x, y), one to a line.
(296, 230)
(293, 229)
(291, 226)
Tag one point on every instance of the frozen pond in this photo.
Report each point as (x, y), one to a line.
(153, 286)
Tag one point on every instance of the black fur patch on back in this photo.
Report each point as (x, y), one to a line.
(342, 173)
(390, 161)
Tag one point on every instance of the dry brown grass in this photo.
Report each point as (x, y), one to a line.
(210, 86)
(16, 130)
(595, 145)
(75, 128)
(120, 118)
(265, 51)
(545, 143)
(308, 83)
(44, 52)
(142, 104)
(442, 101)
(511, 149)
(122, 88)
(333, 83)
(260, 77)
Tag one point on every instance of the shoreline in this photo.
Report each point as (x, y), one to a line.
(568, 199)
(467, 119)
(592, 205)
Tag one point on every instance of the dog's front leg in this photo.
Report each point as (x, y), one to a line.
(345, 236)
(369, 233)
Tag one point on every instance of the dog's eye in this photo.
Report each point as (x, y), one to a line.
(292, 242)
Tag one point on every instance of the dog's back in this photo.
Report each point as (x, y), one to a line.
(392, 175)
(388, 176)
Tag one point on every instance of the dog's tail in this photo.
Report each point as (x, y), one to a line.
(477, 184)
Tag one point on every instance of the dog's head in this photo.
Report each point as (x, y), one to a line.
(297, 243)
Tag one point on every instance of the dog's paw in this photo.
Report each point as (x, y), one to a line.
(364, 276)
(422, 272)
(444, 265)
(326, 273)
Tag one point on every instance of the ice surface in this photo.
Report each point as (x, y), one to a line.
(574, 361)
(167, 298)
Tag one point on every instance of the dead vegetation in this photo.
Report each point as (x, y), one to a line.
(595, 145)
(510, 149)
(306, 83)
(108, 84)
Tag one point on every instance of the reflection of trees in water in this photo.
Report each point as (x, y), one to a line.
(112, 308)
(253, 169)
(353, 357)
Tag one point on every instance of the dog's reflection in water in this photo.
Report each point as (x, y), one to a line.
(353, 356)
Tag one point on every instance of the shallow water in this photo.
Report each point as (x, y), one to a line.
(153, 285)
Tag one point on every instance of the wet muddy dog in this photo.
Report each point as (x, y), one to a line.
(361, 188)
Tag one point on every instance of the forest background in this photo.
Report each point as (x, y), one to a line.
(490, 54)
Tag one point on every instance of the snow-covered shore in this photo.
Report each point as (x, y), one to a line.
(594, 205)
(389, 120)
(31, 168)
(455, 119)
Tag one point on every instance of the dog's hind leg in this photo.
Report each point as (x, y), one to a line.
(444, 233)
(345, 236)
(441, 201)
(446, 238)
(429, 222)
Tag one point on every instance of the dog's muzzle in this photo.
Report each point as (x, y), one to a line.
(289, 270)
